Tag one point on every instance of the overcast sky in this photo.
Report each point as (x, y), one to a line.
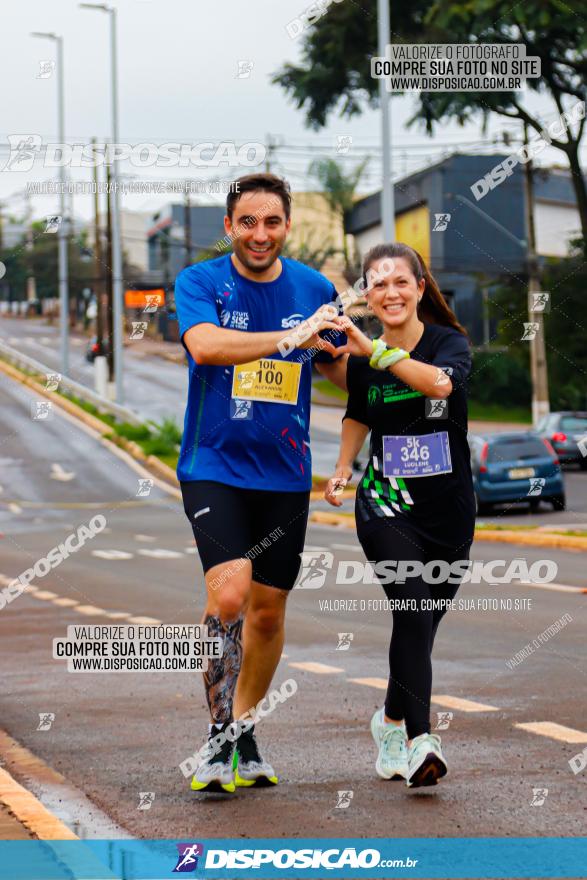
(178, 81)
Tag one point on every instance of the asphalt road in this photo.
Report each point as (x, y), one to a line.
(116, 735)
(157, 388)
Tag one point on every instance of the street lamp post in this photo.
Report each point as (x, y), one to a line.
(62, 270)
(117, 306)
(387, 202)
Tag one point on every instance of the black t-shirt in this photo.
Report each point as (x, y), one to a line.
(421, 474)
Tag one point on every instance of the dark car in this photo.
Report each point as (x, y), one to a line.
(93, 349)
(564, 431)
(515, 467)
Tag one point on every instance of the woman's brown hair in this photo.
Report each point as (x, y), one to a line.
(432, 308)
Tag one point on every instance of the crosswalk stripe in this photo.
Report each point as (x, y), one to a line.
(554, 731)
(45, 594)
(462, 704)
(318, 668)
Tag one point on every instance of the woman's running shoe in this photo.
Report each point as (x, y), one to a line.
(391, 740)
(426, 762)
(215, 773)
(248, 765)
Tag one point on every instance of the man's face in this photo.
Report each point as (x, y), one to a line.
(258, 228)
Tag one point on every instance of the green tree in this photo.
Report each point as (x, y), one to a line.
(566, 352)
(338, 189)
(334, 73)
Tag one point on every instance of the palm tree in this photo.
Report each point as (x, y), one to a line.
(338, 189)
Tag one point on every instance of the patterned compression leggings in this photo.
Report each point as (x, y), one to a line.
(414, 627)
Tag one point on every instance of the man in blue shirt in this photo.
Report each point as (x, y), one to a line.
(250, 322)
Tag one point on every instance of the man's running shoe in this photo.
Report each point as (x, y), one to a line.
(215, 773)
(425, 761)
(249, 767)
(391, 740)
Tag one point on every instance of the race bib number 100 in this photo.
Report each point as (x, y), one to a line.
(421, 456)
(269, 381)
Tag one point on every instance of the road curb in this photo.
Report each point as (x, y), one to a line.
(528, 539)
(29, 811)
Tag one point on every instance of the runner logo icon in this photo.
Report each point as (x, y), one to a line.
(187, 860)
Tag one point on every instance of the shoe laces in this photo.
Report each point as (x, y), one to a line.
(393, 741)
(223, 755)
(426, 740)
(247, 748)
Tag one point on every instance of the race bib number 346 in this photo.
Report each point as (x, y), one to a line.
(270, 381)
(426, 455)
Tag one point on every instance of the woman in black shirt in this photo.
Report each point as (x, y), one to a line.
(415, 510)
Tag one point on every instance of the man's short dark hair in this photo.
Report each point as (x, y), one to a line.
(269, 183)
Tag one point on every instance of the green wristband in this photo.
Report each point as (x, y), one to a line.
(379, 348)
(391, 357)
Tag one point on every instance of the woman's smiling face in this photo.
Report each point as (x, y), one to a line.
(394, 297)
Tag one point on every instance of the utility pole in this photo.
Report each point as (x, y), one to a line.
(109, 276)
(31, 286)
(63, 277)
(538, 369)
(387, 200)
(268, 157)
(97, 257)
(187, 225)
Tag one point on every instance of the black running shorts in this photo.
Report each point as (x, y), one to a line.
(269, 528)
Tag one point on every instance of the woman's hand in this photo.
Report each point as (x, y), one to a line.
(357, 342)
(307, 331)
(336, 485)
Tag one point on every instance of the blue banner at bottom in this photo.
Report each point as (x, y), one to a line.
(447, 858)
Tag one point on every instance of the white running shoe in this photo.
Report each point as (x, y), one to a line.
(215, 773)
(391, 741)
(425, 761)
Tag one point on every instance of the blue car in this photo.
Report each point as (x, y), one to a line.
(515, 467)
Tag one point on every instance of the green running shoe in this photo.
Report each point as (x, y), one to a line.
(391, 740)
(425, 761)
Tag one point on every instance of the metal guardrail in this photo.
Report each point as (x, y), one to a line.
(82, 391)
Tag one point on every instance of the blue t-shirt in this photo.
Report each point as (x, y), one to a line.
(243, 440)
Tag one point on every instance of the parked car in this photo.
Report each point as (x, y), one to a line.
(93, 349)
(514, 467)
(564, 430)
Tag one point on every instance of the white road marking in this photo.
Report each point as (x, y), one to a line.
(354, 547)
(89, 610)
(145, 538)
(557, 588)
(65, 603)
(146, 621)
(191, 551)
(112, 554)
(160, 553)
(57, 473)
(117, 615)
(461, 704)
(318, 668)
(313, 548)
(380, 683)
(13, 507)
(554, 731)
(45, 594)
